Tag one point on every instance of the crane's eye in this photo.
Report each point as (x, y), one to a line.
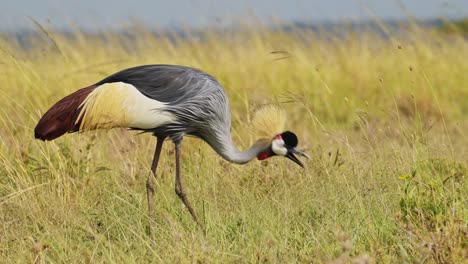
(277, 146)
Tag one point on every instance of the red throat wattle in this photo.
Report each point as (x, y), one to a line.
(262, 156)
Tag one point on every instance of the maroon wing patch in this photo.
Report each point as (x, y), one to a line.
(61, 117)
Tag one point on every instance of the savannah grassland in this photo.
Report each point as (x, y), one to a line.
(383, 118)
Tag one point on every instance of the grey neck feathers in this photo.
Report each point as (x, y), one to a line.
(231, 153)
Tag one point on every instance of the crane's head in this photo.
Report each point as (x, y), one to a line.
(283, 144)
(268, 124)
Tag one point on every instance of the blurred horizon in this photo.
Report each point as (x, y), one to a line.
(18, 16)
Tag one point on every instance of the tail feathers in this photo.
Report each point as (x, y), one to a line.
(62, 117)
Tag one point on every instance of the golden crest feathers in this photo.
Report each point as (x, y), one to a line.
(268, 122)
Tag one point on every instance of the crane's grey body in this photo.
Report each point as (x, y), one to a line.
(195, 98)
(200, 107)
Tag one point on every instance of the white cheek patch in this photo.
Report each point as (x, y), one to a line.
(277, 145)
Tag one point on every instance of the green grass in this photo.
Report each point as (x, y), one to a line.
(384, 120)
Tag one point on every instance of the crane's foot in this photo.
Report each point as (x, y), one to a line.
(183, 197)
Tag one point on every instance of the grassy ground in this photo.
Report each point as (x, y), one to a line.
(384, 120)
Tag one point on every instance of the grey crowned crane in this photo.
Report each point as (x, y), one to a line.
(168, 101)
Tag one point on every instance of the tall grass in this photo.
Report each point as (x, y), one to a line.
(384, 120)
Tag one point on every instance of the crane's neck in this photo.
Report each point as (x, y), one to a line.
(231, 153)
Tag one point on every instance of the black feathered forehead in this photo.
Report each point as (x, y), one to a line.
(289, 138)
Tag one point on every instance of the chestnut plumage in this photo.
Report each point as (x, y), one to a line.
(62, 116)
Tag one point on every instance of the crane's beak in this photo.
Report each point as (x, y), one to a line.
(290, 155)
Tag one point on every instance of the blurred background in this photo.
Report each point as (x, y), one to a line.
(376, 91)
(101, 15)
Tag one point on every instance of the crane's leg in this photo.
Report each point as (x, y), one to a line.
(178, 184)
(151, 181)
